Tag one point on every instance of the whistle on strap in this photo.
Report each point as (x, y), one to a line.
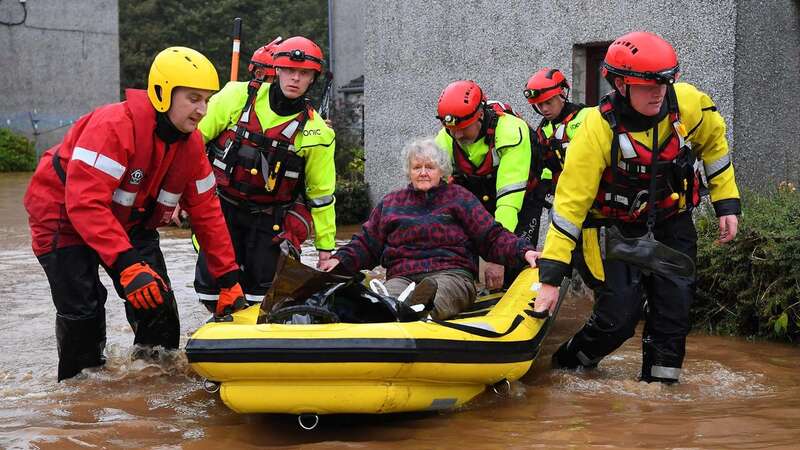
(272, 179)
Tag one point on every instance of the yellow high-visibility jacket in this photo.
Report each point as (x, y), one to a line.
(590, 155)
(512, 146)
(315, 144)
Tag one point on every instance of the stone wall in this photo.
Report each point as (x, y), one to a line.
(58, 65)
(415, 47)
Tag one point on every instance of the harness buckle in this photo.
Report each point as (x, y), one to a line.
(637, 202)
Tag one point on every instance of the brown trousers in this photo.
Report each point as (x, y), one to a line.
(448, 291)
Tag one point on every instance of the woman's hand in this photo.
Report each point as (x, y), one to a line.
(493, 276)
(328, 264)
(324, 255)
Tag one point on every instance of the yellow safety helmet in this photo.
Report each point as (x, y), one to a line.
(179, 66)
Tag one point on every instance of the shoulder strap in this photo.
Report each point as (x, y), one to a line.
(606, 108)
(62, 174)
(542, 124)
(252, 91)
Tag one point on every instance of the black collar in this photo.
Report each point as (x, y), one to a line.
(166, 131)
(281, 105)
(633, 120)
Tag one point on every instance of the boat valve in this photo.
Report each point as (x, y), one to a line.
(212, 387)
(308, 421)
(502, 388)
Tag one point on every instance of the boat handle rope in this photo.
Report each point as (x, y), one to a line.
(212, 387)
(303, 421)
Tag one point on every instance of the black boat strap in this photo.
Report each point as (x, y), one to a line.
(480, 331)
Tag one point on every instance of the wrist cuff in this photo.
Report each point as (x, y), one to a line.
(552, 272)
(728, 207)
(126, 259)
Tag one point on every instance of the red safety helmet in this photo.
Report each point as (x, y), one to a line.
(263, 58)
(299, 53)
(641, 58)
(546, 84)
(459, 104)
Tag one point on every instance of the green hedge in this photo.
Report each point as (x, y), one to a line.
(352, 202)
(751, 286)
(16, 152)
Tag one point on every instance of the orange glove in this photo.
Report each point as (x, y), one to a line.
(230, 300)
(142, 286)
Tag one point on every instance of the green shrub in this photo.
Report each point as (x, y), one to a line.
(751, 286)
(16, 152)
(352, 197)
(352, 202)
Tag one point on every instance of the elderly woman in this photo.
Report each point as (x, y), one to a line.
(431, 233)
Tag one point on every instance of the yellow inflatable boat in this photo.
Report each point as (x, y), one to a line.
(371, 367)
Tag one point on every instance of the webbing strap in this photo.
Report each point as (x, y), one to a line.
(62, 175)
(480, 331)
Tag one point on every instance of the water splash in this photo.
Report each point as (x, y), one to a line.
(701, 380)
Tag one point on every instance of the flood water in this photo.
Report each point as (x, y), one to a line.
(734, 394)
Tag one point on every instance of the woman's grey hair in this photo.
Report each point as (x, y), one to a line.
(426, 148)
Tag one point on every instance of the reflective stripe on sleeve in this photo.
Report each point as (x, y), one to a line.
(100, 162)
(565, 226)
(511, 188)
(167, 198)
(109, 166)
(320, 201)
(82, 154)
(205, 184)
(124, 198)
(301, 219)
(715, 168)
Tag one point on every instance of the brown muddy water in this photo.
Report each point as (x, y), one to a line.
(735, 394)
